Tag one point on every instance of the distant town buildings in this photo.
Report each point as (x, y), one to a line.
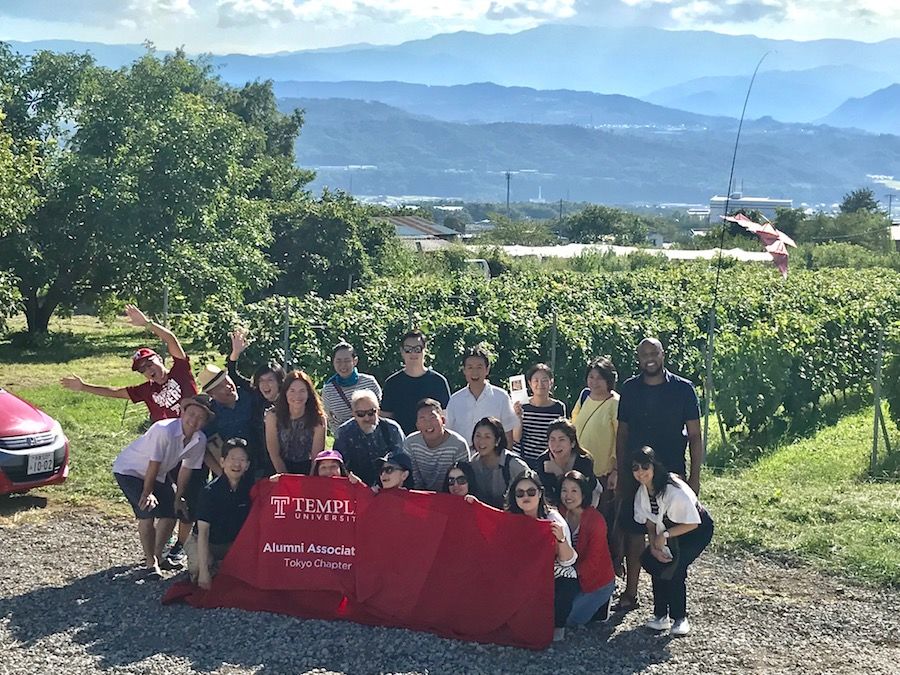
(737, 202)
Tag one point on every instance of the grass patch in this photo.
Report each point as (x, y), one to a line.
(809, 499)
(813, 500)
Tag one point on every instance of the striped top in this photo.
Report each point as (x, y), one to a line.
(535, 421)
(336, 410)
(430, 465)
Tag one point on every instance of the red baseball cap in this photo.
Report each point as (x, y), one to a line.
(141, 355)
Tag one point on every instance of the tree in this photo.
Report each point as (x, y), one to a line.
(597, 223)
(324, 245)
(862, 199)
(518, 232)
(155, 174)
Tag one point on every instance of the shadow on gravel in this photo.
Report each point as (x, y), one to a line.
(10, 505)
(118, 619)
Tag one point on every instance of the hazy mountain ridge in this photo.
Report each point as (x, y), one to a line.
(879, 112)
(630, 61)
(488, 102)
(395, 152)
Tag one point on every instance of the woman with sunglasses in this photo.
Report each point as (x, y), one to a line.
(494, 465)
(460, 480)
(526, 497)
(678, 529)
(564, 454)
(295, 426)
(595, 569)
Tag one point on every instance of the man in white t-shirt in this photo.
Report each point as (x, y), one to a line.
(479, 399)
(433, 448)
(142, 469)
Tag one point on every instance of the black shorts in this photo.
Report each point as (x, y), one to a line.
(133, 487)
(625, 522)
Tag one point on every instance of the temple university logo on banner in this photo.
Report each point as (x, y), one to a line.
(308, 508)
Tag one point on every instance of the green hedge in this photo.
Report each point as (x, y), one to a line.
(781, 345)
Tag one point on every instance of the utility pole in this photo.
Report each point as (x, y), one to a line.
(890, 197)
(560, 210)
(508, 174)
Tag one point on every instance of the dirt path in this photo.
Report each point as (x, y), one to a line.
(70, 604)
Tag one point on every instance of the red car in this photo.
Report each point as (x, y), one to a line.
(34, 451)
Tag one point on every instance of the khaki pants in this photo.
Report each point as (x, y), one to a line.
(217, 554)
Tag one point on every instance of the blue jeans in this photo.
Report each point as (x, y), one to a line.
(586, 605)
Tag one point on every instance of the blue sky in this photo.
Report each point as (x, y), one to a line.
(264, 26)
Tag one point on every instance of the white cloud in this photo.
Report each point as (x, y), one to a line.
(273, 12)
(98, 12)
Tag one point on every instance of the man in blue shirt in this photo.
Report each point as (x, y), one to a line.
(366, 438)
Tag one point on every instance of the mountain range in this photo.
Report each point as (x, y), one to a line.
(450, 115)
(369, 148)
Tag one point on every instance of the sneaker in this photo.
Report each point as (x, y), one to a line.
(168, 564)
(659, 623)
(601, 614)
(681, 627)
(176, 553)
(559, 634)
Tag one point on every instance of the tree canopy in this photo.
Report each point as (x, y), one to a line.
(155, 174)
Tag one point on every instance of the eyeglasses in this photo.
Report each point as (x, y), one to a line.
(531, 492)
(387, 469)
(371, 412)
(413, 349)
(641, 466)
(459, 480)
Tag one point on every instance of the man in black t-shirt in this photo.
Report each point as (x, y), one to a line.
(657, 409)
(222, 508)
(405, 388)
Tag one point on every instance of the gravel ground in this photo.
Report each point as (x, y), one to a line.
(70, 603)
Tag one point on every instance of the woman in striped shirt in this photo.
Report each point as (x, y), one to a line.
(531, 435)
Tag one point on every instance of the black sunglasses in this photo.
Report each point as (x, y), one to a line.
(387, 469)
(531, 492)
(459, 480)
(371, 412)
(637, 466)
(416, 349)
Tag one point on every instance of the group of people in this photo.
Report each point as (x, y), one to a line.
(613, 480)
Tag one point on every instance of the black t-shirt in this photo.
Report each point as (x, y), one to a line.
(401, 393)
(225, 510)
(656, 416)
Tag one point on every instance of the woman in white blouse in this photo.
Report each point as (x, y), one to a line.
(678, 529)
(526, 497)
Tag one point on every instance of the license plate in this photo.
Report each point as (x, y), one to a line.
(40, 463)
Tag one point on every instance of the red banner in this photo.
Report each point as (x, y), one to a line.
(323, 548)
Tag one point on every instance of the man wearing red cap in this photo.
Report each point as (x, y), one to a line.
(164, 388)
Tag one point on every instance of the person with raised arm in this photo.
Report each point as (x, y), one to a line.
(164, 388)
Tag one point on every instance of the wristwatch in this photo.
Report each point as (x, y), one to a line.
(665, 533)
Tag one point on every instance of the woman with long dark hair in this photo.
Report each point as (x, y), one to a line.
(493, 464)
(678, 529)
(295, 426)
(526, 497)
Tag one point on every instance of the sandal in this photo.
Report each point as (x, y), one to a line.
(626, 603)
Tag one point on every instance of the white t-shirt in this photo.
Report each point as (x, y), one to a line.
(678, 503)
(164, 443)
(464, 411)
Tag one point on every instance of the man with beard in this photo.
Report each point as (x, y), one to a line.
(657, 409)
